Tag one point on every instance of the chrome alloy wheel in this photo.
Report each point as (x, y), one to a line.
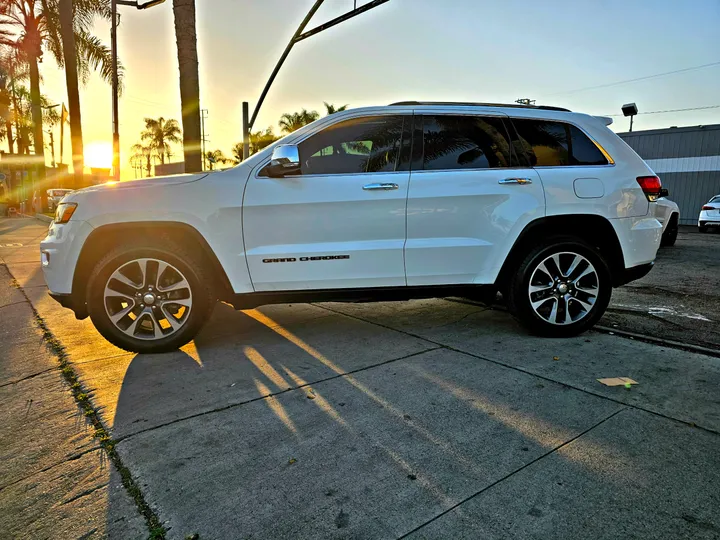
(563, 288)
(148, 299)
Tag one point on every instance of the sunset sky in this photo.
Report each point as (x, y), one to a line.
(465, 50)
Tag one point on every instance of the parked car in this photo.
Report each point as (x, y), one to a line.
(710, 214)
(54, 196)
(667, 213)
(411, 200)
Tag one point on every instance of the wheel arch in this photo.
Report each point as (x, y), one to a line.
(112, 234)
(593, 229)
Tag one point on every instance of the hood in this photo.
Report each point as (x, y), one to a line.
(140, 183)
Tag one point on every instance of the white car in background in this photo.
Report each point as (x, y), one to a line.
(667, 212)
(710, 214)
(54, 196)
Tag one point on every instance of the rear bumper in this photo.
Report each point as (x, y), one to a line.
(631, 274)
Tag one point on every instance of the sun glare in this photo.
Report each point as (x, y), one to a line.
(98, 155)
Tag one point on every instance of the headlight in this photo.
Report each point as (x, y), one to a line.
(64, 212)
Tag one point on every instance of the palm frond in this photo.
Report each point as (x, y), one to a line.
(96, 56)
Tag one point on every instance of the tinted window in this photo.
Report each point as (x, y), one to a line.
(554, 144)
(465, 142)
(370, 144)
(583, 151)
(544, 143)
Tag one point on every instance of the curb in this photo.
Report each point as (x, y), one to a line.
(43, 217)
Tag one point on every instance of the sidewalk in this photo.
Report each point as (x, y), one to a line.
(55, 481)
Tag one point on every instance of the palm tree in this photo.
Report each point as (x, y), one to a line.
(59, 25)
(142, 154)
(331, 109)
(160, 133)
(216, 157)
(290, 122)
(186, 37)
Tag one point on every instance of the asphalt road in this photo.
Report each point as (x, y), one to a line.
(680, 298)
(422, 419)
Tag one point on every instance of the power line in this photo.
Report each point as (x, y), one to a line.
(671, 110)
(633, 80)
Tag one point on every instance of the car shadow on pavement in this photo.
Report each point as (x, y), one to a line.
(295, 421)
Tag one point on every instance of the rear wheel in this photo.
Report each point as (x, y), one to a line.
(702, 227)
(151, 297)
(561, 289)
(670, 235)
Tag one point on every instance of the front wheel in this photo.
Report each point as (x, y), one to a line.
(150, 298)
(561, 288)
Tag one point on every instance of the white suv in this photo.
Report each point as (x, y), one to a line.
(411, 200)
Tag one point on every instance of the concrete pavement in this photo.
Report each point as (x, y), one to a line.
(432, 418)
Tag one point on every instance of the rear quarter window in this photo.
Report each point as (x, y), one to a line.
(555, 144)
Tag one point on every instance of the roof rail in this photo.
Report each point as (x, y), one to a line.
(469, 104)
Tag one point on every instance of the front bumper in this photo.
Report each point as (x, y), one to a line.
(68, 301)
(59, 253)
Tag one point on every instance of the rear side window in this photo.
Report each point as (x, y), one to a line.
(555, 144)
(359, 145)
(465, 142)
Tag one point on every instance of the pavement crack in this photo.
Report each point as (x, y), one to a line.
(28, 377)
(274, 394)
(512, 473)
(71, 457)
(84, 494)
(708, 352)
(13, 304)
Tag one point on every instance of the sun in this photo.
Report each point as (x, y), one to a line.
(98, 155)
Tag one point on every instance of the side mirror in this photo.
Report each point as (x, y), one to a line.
(664, 192)
(285, 161)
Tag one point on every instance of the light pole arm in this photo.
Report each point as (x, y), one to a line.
(289, 47)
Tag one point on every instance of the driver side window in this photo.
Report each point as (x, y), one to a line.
(358, 145)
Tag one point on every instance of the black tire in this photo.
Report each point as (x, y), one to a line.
(702, 228)
(191, 267)
(518, 295)
(670, 235)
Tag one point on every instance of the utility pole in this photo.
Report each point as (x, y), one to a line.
(52, 146)
(299, 36)
(246, 131)
(204, 113)
(115, 84)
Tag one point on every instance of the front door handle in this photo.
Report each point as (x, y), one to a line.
(515, 181)
(385, 187)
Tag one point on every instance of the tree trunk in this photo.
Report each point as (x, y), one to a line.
(37, 131)
(8, 129)
(73, 90)
(186, 37)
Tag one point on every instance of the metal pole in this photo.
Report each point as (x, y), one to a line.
(115, 107)
(246, 130)
(631, 122)
(285, 53)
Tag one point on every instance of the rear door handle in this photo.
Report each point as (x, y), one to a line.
(515, 181)
(385, 187)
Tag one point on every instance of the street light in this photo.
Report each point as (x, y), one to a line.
(630, 109)
(139, 4)
(298, 36)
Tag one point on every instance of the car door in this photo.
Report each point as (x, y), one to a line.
(340, 223)
(469, 199)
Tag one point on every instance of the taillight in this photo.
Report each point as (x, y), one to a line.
(708, 208)
(651, 186)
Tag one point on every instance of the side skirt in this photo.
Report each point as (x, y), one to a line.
(382, 294)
